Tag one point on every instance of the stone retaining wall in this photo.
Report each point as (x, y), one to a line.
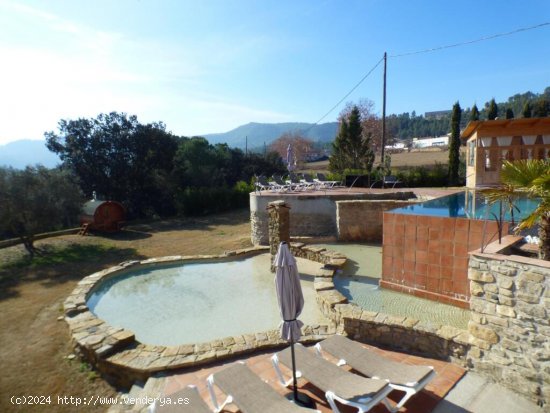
(311, 215)
(362, 220)
(510, 329)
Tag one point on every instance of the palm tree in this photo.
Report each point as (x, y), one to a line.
(531, 178)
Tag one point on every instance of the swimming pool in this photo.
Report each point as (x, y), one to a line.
(467, 204)
(197, 302)
(358, 282)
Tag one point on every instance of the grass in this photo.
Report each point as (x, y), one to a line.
(56, 256)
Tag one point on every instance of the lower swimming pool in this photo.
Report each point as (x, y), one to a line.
(358, 282)
(197, 302)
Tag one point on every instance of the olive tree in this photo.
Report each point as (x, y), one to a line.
(36, 200)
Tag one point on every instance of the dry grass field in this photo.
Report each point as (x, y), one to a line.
(401, 160)
(35, 344)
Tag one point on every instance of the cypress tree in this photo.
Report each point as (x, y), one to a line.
(454, 145)
(474, 114)
(492, 111)
(509, 113)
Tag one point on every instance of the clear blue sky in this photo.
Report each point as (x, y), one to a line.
(209, 66)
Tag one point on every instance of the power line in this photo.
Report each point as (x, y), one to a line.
(349, 93)
(481, 39)
(433, 49)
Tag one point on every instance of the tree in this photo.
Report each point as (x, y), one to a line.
(454, 145)
(301, 146)
(351, 149)
(36, 200)
(526, 112)
(119, 158)
(509, 113)
(474, 114)
(530, 178)
(492, 110)
(541, 108)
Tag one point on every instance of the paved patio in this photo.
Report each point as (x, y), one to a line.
(447, 376)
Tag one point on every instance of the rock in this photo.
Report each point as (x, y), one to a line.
(506, 311)
(480, 276)
(483, 333)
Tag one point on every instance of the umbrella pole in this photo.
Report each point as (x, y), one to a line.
(295, 382)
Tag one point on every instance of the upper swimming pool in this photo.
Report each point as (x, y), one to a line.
(467, 204)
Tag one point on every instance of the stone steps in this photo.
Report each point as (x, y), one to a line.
(152, 388)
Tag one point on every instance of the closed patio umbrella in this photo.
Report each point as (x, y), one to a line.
(291, 303)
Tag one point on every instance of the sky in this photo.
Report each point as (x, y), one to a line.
(210, 66)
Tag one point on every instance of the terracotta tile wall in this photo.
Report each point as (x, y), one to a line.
(428, 256)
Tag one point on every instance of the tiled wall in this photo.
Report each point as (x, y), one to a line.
(428, 256)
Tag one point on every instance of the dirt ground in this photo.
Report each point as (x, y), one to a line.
(35, 344)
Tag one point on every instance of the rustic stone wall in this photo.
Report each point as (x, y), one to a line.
(312, 215)
(510, 329)
(279, 227)
(362, 220)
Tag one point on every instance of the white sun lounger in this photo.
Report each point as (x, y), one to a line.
(246, 390)
(402, 377)
(338, 384)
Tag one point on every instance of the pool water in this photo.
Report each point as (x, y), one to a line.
(198, 302)
(358, 282)
(468, 204)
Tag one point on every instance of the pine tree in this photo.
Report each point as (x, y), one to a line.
(352, 147)
(492, 111)
(474, 113)
(454, 145)
(526, 112)
(509, 113)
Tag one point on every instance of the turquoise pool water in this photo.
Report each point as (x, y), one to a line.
(198, 302)
(359, 283)
(468, 204)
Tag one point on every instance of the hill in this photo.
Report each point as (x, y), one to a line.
(260, 133)
(19, 154)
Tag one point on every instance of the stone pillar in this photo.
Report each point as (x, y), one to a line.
(279, 226)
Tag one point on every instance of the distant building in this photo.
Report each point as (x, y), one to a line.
(438, 114)
(489, 142)
(419, 143)
(399, 146)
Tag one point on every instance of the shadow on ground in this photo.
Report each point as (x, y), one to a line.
(58, 266)
(192, 223)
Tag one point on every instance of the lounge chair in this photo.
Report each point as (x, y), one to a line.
(402, 377)
(278, 180)
(338, 384)
(308, 181)
(195, 404)
(295, 183)
(321, 179)
(249, 392)
(389, 181)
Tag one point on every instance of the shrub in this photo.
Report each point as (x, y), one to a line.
(207, 200)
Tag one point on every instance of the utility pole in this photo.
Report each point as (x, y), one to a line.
(246, 145)
(384, 112)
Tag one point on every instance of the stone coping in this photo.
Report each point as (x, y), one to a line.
(120, 357)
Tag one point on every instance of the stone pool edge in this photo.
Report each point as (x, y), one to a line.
(123, 360)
